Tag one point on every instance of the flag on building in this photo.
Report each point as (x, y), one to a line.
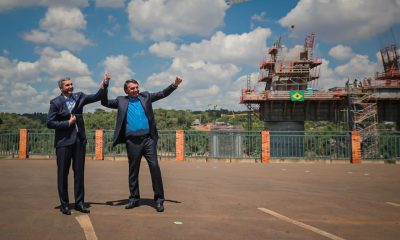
(296, 96)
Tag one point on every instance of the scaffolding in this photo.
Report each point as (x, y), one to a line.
(280, 75)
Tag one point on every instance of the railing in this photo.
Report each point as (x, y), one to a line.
(369, 83)
(311, 145)
(166, 143)
(384, 146)
(109, 151)
(9, 141)
(285, 95)
(41, 142)
(226, 145)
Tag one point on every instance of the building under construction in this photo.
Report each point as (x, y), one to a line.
(361, 103)
(289, 99)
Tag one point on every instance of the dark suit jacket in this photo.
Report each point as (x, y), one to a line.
(121, 103)
(58, 117)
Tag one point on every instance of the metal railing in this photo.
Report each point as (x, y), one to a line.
(227, 145)
(165, 145)
(310, 145)
(41, 142)
(383, 146)
(9, 141)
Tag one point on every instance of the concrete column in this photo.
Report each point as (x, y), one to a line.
(23, 143)
(355, 147)
(180, 145)
(265, 147)
(99, 151)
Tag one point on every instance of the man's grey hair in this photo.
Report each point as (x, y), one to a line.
(60, 82)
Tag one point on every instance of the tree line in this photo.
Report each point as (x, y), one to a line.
(167, 119)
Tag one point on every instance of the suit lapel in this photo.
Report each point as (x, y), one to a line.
(63, 103)
(124, 105)
(141, 99)
(77, 102)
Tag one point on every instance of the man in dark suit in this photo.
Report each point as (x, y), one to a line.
(65, 116)
(136, 127)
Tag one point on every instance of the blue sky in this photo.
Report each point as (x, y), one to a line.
(213, 46)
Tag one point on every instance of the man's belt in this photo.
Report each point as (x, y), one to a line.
(138, 138)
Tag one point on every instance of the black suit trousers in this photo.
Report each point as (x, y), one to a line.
(76, 153)
(137, 148)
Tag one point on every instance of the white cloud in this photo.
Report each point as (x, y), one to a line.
(291, 54)
(209, 69)
(110, 3)
(163, 49)
(37, 36)
(341, 52)
(328, 78)
(63, 63)
(259, 17)
(118, 67)
(20, 80)
(358, 67)
(340, 20)
(221, 48)
(22, 90)
(6, 5)
(61, 27)
(15, 71)
(164, 20)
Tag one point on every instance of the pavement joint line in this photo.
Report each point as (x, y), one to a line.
(393, 204)
(87, 227)
(300, 224)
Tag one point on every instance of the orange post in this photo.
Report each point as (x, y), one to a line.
(180, 145)
(355, 147)
(265, 147)
(23, 143)
(99, 152)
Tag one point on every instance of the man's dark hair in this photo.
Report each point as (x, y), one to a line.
(60, 82)
(129, 81)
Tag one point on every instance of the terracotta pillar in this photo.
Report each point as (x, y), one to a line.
(355, 147)
(99, 151)
(23, 143)
(265, 147)
(180, 145)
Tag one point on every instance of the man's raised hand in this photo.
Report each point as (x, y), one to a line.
(178, 81)
(107, 77)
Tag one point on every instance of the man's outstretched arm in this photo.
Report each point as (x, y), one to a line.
(167, 91)
(104, 98)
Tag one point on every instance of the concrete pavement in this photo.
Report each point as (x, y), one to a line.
(206, 201)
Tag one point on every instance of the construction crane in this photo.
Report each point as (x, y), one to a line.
(308, 47)
(231, 2)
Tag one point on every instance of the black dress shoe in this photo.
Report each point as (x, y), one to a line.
(81, 208)
(132, 204)
(65, 210)
(159, 207)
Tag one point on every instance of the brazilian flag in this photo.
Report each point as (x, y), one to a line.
(296, 96)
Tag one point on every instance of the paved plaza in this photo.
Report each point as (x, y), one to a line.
(206, 201)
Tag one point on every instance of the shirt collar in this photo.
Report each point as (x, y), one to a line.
(67, 98)
(133, 99)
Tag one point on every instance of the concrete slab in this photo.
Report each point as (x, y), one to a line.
(207, 201)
